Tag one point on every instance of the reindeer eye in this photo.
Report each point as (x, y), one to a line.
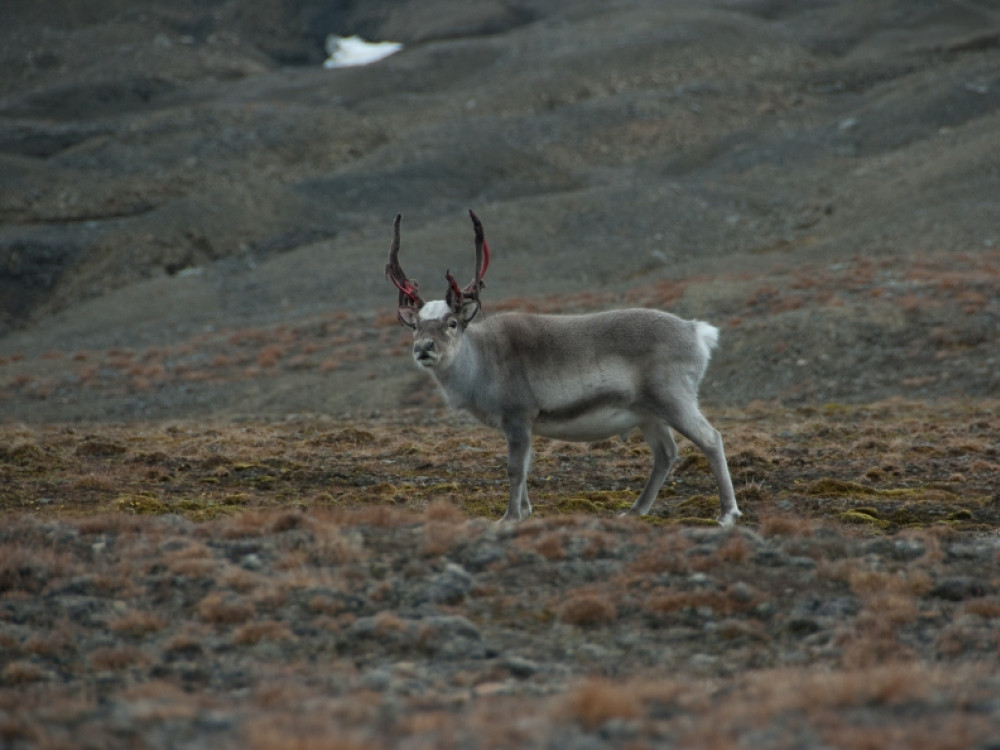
(453, 323)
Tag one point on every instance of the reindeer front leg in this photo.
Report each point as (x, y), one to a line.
(518, 459)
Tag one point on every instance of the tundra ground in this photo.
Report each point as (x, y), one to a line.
(322, 583)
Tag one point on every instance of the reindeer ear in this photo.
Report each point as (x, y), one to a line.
(464, 304)
(408, 315)
(470, 307)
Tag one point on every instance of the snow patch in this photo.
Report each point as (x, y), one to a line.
(349, 51)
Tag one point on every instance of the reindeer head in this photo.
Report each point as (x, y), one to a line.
(437, 325)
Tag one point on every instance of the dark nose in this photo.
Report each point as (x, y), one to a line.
(423, 347)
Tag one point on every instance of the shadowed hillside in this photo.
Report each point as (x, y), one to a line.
(816, 178)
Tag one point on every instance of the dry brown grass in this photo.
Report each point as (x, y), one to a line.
(137, 624)
(21, 672)
(588, 609)
(667, 556)
(988, 608)
(837, 705)
(440, 537)
(663, 602)
(29, 567)
(775, 525)
(219, 609)
(595, 701)
(264, 630)
(933, 472)
(551, 546)
(117, 658)
(244, 558)
(874, 674)
(272, 734)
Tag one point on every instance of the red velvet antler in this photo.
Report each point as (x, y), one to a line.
(457, 298)
(409, 295)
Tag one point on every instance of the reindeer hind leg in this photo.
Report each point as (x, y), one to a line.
(684, 416)
(661, 442)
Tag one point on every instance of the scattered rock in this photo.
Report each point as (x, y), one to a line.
(451, 586)
(961, 587)
(518, 667)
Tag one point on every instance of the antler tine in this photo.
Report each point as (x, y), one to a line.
(456, 297)
(409, 295)
(482, 254)
(394, 250)
(392, 268)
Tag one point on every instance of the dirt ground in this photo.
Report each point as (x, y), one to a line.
(234, 514)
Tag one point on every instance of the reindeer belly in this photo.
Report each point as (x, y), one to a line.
(586, 426)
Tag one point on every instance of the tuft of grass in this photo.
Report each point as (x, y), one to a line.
(594, 702)
(987, 608)
(137, 624)
(440, 537)
(577, 505)
(775, 525)
(587, 610)
(217, 609)
(95, 447)
(863, 517)
(29, 568)
(829, 487)
(252, 633)
(117, 658)
(19, 673)
(140, 504)
(552, 546)
(24, 453)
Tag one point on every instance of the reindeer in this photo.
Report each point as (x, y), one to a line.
(570, 377)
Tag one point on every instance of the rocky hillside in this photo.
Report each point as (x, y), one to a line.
(818, 179)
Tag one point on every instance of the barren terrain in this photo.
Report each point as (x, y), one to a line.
(312, 583)
(234, 514)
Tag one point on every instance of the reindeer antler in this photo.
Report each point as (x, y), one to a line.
(409, 295)
(458, 297)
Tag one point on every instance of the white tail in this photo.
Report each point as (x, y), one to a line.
(708, 337)
(571, 377)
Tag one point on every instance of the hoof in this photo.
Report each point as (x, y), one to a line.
(729, 519)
